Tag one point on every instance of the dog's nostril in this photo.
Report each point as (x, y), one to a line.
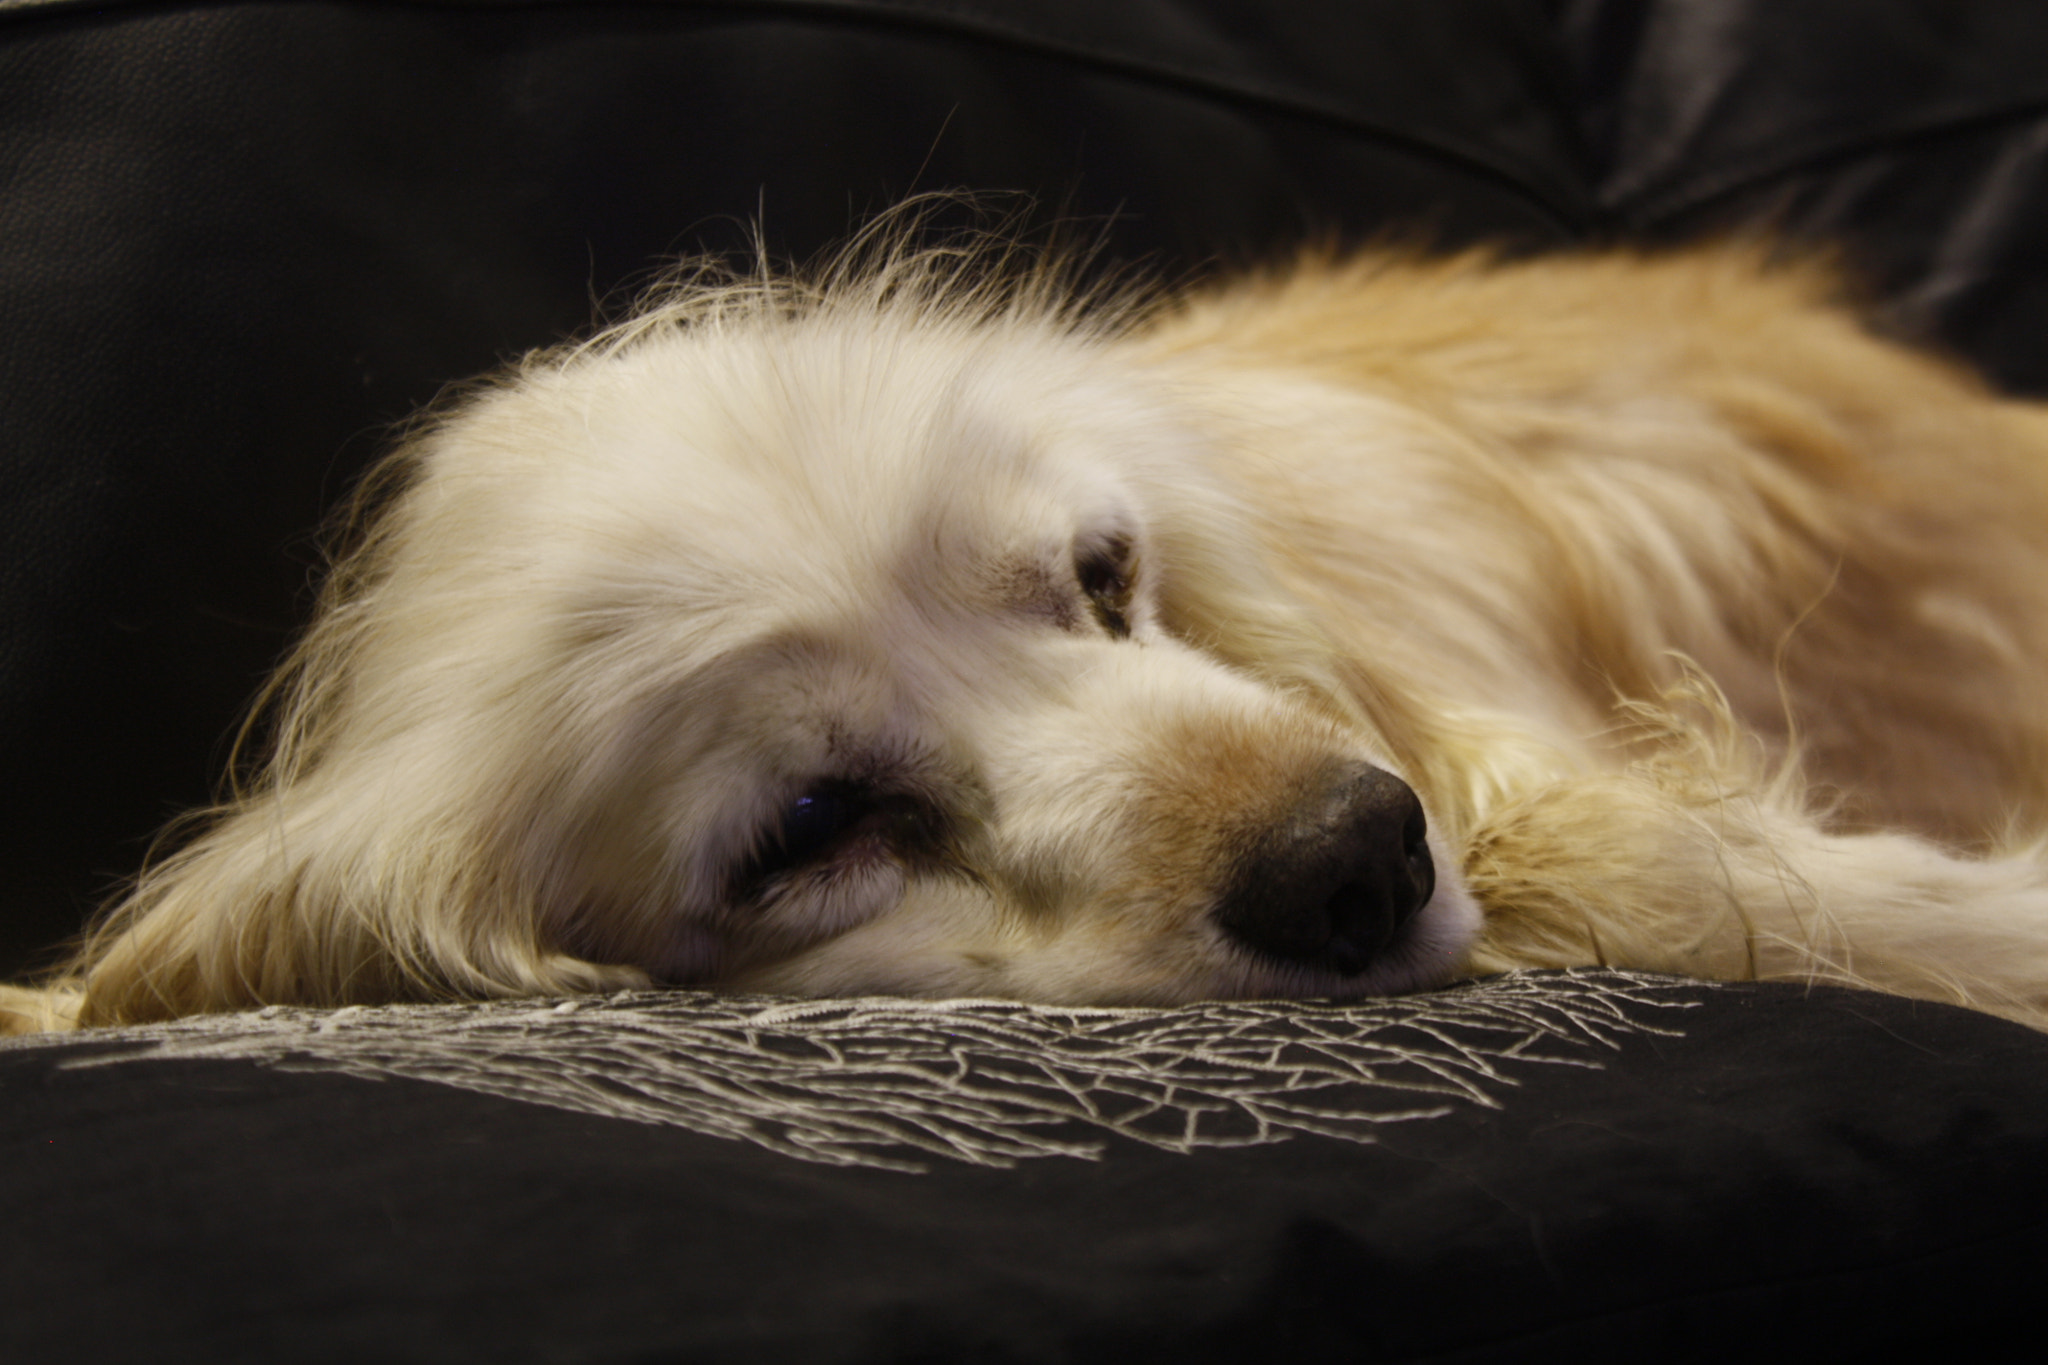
(1333, 884)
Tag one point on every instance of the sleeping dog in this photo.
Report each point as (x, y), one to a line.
(922, 625)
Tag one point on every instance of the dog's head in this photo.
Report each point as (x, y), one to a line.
(831, 647)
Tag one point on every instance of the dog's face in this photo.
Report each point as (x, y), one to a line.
(854, 658)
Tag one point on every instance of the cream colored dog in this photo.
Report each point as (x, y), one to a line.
(916, 629)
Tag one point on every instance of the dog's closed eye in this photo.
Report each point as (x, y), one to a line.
(1107, 571)
(832, 819)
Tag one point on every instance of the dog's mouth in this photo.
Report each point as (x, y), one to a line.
(1334, 887)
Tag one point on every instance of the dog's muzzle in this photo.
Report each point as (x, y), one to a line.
(1331, 886)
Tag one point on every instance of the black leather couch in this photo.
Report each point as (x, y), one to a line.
(238, 241)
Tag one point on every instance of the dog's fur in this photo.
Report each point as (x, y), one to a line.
(916, 629)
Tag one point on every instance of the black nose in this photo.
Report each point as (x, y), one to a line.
(1331, 884)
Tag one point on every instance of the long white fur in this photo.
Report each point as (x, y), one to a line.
(1708, 626)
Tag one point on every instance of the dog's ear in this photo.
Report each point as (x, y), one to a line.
(243, 915)
(285, 899)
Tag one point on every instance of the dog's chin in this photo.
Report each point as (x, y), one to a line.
(1077, 968)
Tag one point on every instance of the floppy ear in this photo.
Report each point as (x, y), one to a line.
(305, 896)
(253, 911)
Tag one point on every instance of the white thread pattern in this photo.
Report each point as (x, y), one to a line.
(893, 1083)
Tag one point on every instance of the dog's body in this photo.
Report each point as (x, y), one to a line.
(917, 634)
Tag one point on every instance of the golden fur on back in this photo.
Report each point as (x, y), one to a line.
(916, 628)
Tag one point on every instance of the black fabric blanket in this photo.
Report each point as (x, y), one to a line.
(1585, 1166)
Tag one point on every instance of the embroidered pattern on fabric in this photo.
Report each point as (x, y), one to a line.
(894, 1083)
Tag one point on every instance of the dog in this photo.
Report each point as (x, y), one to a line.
(923, 624)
